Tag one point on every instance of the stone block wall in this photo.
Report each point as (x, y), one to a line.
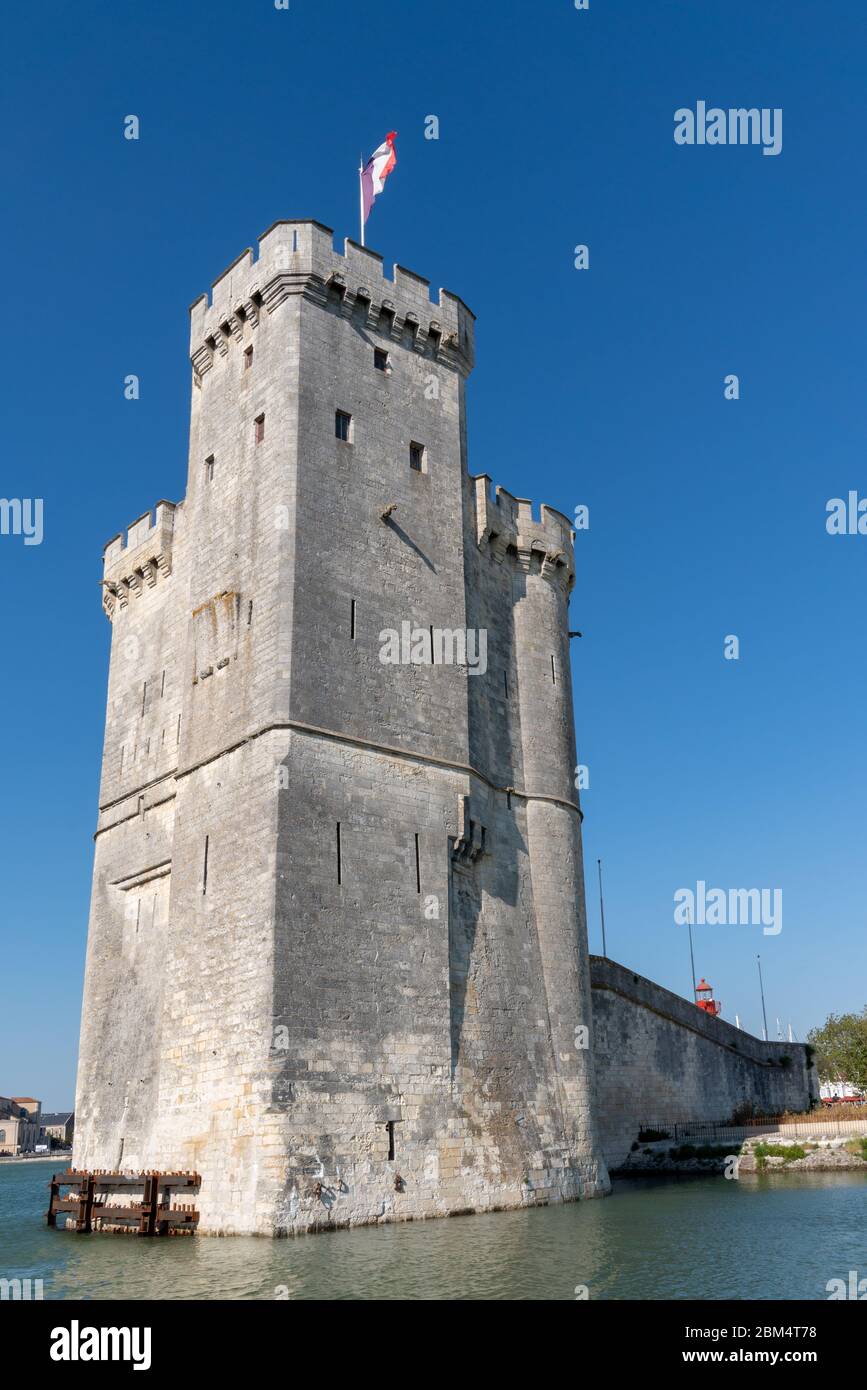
(661, 1060)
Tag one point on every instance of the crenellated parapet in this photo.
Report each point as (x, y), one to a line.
(298, 258)
(507, 527)
(129, 567)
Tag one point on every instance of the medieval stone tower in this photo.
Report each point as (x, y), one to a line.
(337, 951)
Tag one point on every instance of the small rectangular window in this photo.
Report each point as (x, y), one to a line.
(205, 868)
(339, 861)
(248, 358)
(352, 621)
(416, 457)
(553, 673)
(380, 359)
(417, 866)
(342, 425)
(259, 428)
(209, 468)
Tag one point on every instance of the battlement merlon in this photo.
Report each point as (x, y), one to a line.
(298, 257)
(506, 524)
(128, 567)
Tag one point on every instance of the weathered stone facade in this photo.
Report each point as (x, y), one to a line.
(337, 950)
(660, 1060)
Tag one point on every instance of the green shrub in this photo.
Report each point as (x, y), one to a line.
(787, 1152)
(858, 1147)
(686, 1151)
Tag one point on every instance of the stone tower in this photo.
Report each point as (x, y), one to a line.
(337, 950)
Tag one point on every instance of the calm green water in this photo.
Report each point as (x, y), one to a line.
(704, 1238)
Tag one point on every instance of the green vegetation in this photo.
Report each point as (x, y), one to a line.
(787, 1152)
(649, 1136)
(858, 1147)
(686, 1151)
(841, 1048)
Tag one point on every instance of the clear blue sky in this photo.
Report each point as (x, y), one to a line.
(602, 387)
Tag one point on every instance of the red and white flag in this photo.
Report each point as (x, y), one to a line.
(375, 173)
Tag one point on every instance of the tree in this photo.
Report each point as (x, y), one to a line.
(841, 1048)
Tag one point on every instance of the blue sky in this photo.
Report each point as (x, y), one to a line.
(602, 387)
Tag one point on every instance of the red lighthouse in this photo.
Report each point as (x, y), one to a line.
(704, 998)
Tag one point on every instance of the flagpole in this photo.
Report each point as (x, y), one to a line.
(361, 196)
(602, 908)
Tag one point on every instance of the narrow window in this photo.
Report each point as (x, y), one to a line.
(390, 1127)
(209, 469)
(141, 814)
(248, 358)
(553, 672)
(205, 868)
(432, 652)
(178, 739)
(342, 425)
(339, 864)
(416, 457)
(508, 801)
(163, 686)
(259, 428)
(250, 612)
(417, 866)
(295, 240)
(352, 621)
(505, 685)
(380, 359)
(144, 695)
(122, 750)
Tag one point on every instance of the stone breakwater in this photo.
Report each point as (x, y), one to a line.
(768, 1153)
(819, 1155)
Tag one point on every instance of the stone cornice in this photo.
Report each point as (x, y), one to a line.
(333, 294)
(298, 258)
(130, 569)
(506, 527)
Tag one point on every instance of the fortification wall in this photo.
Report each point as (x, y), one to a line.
(658, 1058)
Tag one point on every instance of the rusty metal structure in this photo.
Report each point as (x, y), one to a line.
(91, 1204)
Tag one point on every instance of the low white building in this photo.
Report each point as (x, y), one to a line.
(839, 1090)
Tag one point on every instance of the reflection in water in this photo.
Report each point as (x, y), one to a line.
(705, 1238)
